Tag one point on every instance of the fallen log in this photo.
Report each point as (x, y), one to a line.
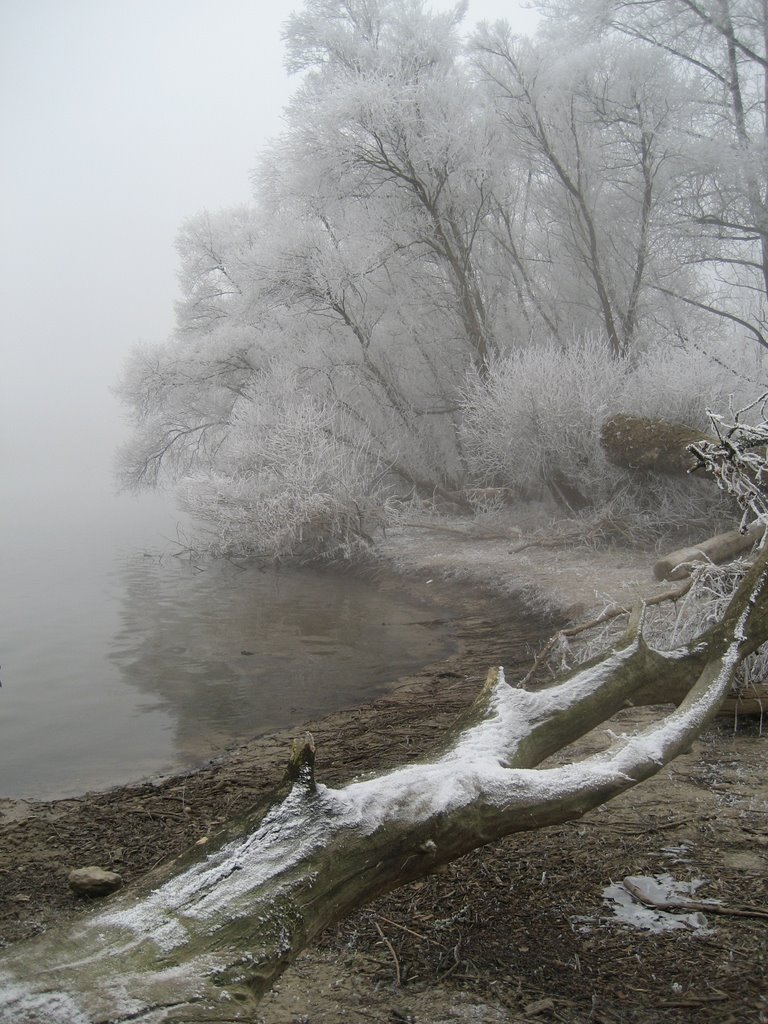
(749, 701)
(203, 938)
(649, 445)
(721, 548)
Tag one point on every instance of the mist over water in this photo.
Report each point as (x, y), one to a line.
(121, 661)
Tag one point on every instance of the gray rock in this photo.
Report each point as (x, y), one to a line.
(94, 881)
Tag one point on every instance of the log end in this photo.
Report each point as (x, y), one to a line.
(649, 445)
(721, 548)
(301, 764)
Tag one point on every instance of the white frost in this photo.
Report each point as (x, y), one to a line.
(47, 1007)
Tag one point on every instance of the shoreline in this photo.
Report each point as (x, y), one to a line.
(512, 932)
(560, 580)
(133, 827)
(453, 602)
(509, 605)
(473, 575)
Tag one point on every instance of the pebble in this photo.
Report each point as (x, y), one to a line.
(94, 881)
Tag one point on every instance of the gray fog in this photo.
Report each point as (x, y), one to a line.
(117, 121)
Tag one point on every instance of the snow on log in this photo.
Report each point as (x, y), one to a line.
(203, 938)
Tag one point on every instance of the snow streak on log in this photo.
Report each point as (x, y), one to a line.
(206, 937)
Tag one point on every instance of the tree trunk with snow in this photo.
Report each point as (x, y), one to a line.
(205, 937)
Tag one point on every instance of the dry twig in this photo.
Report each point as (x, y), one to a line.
(607, 615)
(391, 948)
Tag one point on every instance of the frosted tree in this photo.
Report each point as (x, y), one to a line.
(181, 393)
(720, 47)
(362, 336)
(592, 124)
(388, 114)
(292, 474)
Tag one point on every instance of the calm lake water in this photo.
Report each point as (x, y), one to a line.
(120, 661)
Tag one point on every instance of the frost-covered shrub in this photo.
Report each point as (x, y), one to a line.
(680, 384)
(536, 417)
(534, 425)
(291, 476)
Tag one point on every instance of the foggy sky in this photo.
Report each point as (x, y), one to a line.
(117, 121)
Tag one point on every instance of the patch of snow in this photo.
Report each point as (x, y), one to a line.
(629, 911)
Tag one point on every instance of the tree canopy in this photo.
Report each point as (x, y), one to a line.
(441, 202)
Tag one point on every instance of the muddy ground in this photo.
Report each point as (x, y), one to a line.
(520, 931)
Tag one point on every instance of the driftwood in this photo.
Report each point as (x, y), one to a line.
(607, 615)
(721, 548)
(205, 937)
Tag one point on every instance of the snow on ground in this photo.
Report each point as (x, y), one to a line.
(661, 889)
(562, 581)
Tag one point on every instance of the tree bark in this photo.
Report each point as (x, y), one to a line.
(206, 936)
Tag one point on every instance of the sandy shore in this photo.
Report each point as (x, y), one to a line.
(559, 580)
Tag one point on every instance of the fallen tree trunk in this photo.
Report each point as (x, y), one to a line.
(649, 445)
(722, 548)
(748, 701)
(204, 938)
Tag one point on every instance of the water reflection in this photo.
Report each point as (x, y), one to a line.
(116, 666)
(232, 652)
